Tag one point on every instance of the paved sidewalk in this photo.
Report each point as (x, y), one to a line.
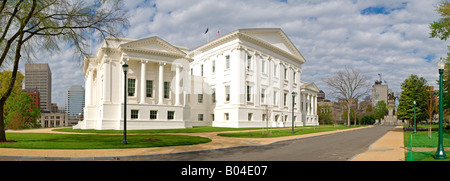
(389, 147)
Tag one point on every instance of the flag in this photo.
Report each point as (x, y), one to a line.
(206, 30)
(218, 33)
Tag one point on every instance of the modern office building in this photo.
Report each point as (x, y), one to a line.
(39, 76)
(74, 101)
(247, 78)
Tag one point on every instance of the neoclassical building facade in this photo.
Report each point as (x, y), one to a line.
(247, 78)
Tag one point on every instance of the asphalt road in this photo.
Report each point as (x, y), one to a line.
(333, 147)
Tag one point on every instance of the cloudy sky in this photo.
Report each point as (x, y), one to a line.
(382, 36)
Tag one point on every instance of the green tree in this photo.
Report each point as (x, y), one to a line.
(21, 112)
(441, 28)
(345, 115)
(45, 25)
(413, 89)
(380, 110)
(325, 114)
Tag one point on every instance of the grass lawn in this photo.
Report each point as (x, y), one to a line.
(422, 139)
(94, 141)
(285, 132)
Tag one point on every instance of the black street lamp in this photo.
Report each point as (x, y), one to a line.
(125, 69)
(293, 103)
(440, 153)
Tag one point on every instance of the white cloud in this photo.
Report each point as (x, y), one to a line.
(329, 34)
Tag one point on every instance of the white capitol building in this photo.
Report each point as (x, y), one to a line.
(242, 79)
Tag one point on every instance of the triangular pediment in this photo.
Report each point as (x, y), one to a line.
(274, 37)
(310, 86)
(154, 44)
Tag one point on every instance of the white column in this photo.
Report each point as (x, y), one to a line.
(177, 85)
(143, 82)
(88, 87)
(161, 83)
(315, 105)
(107, 82)
(304, 104)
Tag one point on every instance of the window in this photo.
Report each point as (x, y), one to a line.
(263, 117)
(249, 93)
(201, 69)
(166, 89)
(149, 88)
(263, 66)
(249, 62)
(213, 66)
(285, 99)
(213, 95)
(275, 95)
(227, 93)
(131, 87)
(285, 73)
(212, 116)
(134, 114)
(153, 114)
(275, 72)
(170, 115)
(250, 116)
(200, 98)
(227, 116)
(294, 78)
(192, 71)
(200, 117)
(263, 96)
(227, 61)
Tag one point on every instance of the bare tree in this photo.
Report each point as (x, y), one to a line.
(432, 104)
(267, 111)
(348, 84)
(44, 25)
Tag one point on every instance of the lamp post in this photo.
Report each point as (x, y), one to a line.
(415, 126)
(125, 69)
(440, 153)
(293, 103)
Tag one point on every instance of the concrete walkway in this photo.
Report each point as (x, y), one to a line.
(389, 147)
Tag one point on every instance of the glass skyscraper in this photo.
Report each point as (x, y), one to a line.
(74, 101)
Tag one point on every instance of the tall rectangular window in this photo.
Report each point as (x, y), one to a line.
(285, 73)
(227, 93)
(249, 62)
(170, 115)
(201, 69)
(134, 114)
(285, 99)
(213, 95)
(227, 61)
(294, 78)
(249, 93)
(200, 98)
(263, 96)
(131, 87)
(200, 117)
(275, 72)
(275, 99)
(166, 89)
(213, 66)
(149, 88)
(250, 116)
(153, 114)
(263, 66)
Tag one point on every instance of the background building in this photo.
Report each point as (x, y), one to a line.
(74, 101)
(39, 76)
(34, 93)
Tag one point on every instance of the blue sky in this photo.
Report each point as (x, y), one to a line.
(383, 36)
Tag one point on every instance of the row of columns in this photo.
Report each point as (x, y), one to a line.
(311, 100)
(143, 86)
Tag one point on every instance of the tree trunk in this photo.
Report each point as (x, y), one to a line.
(348, 116)
(2, 123)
